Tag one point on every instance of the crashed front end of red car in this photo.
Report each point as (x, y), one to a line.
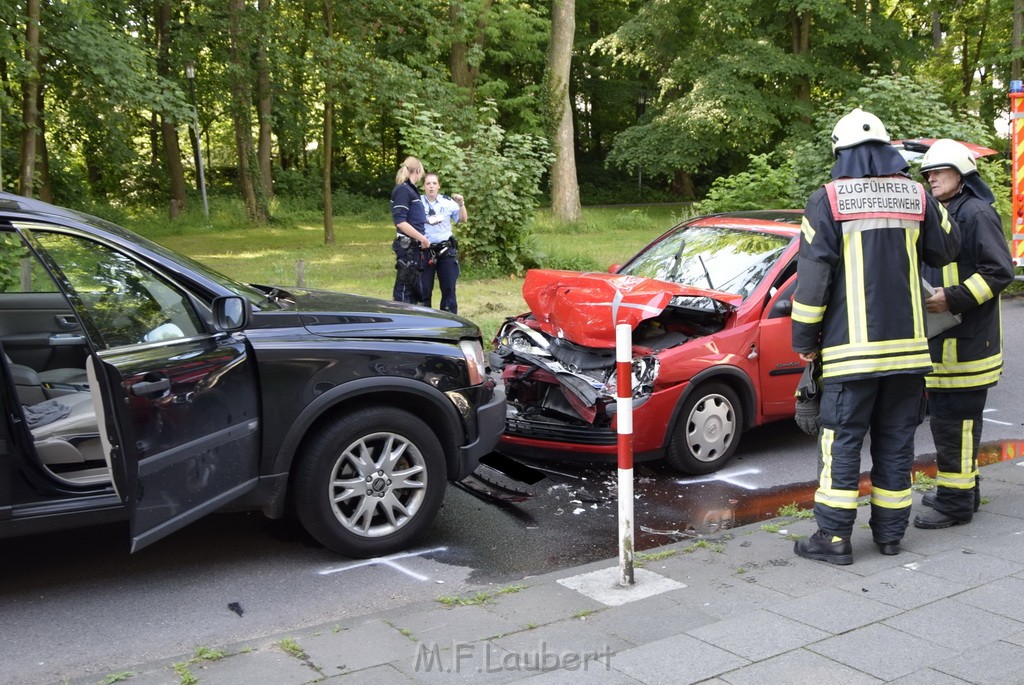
(558, 361)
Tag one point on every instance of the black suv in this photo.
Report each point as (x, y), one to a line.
(139, 384)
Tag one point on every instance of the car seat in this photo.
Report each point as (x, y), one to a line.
(37, 386)
(73, 438)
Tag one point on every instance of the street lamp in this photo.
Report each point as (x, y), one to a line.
(190, 72)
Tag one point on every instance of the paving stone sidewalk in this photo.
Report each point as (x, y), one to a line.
(736, 608)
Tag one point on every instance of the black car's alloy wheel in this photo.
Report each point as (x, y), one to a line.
(371, 482)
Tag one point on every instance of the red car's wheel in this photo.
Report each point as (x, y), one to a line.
(707, 431)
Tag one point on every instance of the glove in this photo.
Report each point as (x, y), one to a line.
(808, 416)
(808, 399)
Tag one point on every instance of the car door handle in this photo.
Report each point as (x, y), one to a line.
(67, 320)
(144, 388)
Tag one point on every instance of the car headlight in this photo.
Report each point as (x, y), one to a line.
(644, 371)
(473, 351)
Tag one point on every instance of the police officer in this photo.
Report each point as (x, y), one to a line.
(442, 212)
(858, 306)
(968, 357)
(411, 243)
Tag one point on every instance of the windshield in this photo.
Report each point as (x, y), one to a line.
(724, 259)
(254, 295)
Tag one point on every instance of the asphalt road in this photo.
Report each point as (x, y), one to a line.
(76, 603)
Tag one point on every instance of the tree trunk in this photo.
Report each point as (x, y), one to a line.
(43, 178)
(248, 172)
(328, 155)
(682, 185)
(464, 75)
(800, 23)
(29, 100)
(565, 191)
(263, 103)
(168, 131)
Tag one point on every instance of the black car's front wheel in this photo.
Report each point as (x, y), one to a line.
(707, 432)
(370, 483)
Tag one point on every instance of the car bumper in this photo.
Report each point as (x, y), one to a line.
(490, 423)
(531, 438)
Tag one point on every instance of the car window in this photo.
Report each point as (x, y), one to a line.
(724, 259)
(128, 302)
(20, 272)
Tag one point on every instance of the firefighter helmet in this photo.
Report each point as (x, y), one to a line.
(858, 127)
(949, 154)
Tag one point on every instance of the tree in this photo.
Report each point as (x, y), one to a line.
(168, 129)
(734, 75)
(565, 191)
(328, 131)
(29, 99)
(264, 104)
(249, 184)
(909, 107)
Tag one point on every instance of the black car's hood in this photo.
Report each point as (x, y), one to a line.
(343, 315)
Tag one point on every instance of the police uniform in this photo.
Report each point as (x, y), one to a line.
(443, 258)
(967, 357)
(409, 257)
(859, 305)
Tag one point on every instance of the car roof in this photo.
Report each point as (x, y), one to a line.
(30, 208)
(779, 221)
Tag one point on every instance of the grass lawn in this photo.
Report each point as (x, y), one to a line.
(362, 262)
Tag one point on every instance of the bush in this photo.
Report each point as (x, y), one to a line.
(498, 172)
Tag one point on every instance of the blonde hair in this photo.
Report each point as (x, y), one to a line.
(410, 166)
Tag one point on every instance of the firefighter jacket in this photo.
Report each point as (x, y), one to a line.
(969, 356)
(859, 299)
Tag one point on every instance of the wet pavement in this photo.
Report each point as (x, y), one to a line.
(734, 606)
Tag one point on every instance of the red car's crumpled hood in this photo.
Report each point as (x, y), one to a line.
(584, 307)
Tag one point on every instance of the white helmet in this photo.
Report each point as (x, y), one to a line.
(949, 154)
(857, 127)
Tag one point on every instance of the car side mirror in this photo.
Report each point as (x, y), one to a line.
(231, 313)
(614, 268)
(783, 307)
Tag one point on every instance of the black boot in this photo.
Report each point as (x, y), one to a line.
(935, 519)
(824, 546)
(889, 548)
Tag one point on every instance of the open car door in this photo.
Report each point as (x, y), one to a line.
(176, 401)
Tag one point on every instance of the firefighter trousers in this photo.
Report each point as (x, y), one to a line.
(956, 430)
(889, 409)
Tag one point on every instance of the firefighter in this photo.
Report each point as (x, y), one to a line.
(859, 308)
(968, 357)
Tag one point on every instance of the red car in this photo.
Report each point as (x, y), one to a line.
(709, 303)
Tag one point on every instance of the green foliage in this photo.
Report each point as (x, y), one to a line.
(760, 186)
(910, 107)
(498, 172)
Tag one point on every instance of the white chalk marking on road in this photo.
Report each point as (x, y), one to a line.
(387, 561)
(731, 477)
(1001, 423)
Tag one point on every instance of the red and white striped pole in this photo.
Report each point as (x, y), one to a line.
(624, 412)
